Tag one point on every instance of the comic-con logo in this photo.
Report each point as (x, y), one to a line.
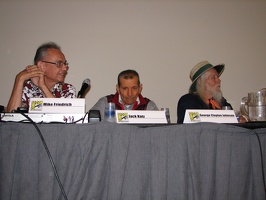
(36, 105)
(194, 116)
(122, 117)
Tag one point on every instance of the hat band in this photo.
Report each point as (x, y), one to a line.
(201, 70)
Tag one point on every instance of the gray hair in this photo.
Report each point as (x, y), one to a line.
(200, 89)
(42, 50)
(128, 74)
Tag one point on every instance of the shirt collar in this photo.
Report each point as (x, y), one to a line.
(120, 101)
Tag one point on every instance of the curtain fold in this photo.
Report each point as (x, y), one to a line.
(113, 161)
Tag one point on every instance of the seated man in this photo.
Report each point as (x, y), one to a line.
(127, 96)
(43, 79)
(204, 92)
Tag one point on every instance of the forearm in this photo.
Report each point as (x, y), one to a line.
(15, 100)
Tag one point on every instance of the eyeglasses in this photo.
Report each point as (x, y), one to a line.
(59, 64)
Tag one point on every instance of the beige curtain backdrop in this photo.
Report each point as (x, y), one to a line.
(161, 39)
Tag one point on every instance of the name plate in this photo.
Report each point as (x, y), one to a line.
(140, 117)
(57, 105)
(218, 116)
(45, 118)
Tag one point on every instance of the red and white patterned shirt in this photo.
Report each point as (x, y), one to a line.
(60, 90)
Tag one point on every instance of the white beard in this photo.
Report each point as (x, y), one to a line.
(218, 96)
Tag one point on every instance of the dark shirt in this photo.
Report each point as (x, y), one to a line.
(193, 101)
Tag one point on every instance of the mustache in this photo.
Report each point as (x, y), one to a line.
(218, 85)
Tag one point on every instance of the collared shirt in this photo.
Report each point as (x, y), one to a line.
(60, 90)
(128, 107)
(141, 103)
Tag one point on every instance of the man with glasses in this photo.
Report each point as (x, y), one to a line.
(128, 95)
(205, 90)
(44, 79)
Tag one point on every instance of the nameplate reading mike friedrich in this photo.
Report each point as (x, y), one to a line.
(57, 105)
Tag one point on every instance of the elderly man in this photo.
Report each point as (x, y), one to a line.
(204, 92)
(128, 95)
(43, 79)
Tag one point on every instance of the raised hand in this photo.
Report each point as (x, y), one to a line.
(36, 75)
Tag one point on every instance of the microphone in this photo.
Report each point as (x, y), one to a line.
(85, 85)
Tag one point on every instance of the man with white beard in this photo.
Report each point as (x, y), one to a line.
(205, 90)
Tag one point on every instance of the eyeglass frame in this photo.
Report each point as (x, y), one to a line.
(59, 64)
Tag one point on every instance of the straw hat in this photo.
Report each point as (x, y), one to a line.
(200, 69)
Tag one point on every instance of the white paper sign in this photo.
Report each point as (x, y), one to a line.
(57, 105)
(140, 117)
(46, 118)
(218, 116)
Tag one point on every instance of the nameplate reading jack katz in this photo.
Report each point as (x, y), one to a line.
(140, 117)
